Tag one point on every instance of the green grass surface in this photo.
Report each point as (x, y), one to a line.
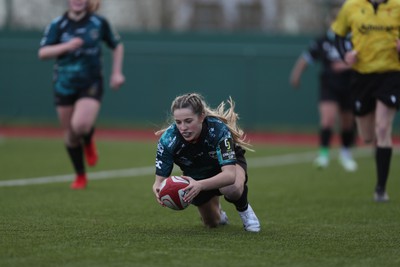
(309, 217)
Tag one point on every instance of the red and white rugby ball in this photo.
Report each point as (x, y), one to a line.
(172, 193)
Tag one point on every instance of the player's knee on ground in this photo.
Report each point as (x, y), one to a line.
(211, 222)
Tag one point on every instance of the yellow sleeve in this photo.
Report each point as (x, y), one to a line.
(341, 24)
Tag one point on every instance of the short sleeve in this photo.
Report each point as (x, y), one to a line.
(313, 52)
(110, 36)
(226, 152)
(341, 25)
(164, 159)
(50, 35)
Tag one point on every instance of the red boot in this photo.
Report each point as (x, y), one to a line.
(80, 182)
(91, 154)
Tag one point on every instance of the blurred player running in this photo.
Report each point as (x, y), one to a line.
(74, 40)
(334, 98)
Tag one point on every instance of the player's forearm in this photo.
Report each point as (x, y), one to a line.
(53, 51)
(118, 58)
(339, 66)
(224, 178)
(297, 71)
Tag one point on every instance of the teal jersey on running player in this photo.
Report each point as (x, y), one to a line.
(80, 68)
(201, 160)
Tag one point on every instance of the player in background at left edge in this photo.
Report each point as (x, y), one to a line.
(74, 40)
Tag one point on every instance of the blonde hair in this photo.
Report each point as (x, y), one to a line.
(93, 5)
(196, 103)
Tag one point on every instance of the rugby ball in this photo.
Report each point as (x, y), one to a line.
(172, 193)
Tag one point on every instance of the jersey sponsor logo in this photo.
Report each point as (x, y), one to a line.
(158, 164)
(211, 132)
(80, 31)
(227, 151)
(172, 142)
(160, 149)
(366, 29)
(229, 155)
(227, 143)
(91, 51)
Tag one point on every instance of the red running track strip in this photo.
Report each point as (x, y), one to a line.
(149, 135)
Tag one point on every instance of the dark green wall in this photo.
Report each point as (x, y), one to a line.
(252, 68)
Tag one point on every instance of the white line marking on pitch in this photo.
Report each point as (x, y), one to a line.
(269, 161)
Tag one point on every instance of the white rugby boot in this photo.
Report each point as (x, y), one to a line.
(381, 196)
(250, 220)
(347, 161)
(321, 162)
(223, 218)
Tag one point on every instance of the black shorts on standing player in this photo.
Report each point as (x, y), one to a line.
(367, 88)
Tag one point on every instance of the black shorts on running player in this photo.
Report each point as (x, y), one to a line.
(367, 88)
(336, 88)
(95, 91)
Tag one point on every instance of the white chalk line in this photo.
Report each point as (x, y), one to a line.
(261, 162)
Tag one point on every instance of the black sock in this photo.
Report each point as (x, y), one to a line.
(383, 156)
(241, 204)
(76, 156)
(87, 138)
(325, 135)
(348, 138)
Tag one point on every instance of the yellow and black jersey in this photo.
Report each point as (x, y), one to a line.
(375, 29)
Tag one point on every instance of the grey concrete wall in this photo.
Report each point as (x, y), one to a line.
(286, 16)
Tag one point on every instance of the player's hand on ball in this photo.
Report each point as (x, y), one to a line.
(156, 190)
(192, 190)
(171, 192)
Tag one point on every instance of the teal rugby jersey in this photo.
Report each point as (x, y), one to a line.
(204, 159)
(79, 68)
